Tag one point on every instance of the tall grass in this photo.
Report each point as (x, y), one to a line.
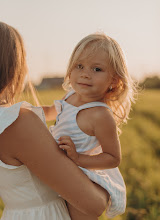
(140, 141)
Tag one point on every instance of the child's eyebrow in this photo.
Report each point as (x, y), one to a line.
(99, 64)
(79, 61)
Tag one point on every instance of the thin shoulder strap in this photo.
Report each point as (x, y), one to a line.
(94, 104)
(69, 94)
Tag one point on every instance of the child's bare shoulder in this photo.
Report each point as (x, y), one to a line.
(103, 115)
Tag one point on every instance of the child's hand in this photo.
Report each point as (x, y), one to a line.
(66, 143)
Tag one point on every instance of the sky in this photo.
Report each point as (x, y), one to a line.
(52, 28)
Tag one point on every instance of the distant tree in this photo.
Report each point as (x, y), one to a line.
(50, 83)
(151, 82)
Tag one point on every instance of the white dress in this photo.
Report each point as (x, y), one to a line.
(109, 179)
(24, 195)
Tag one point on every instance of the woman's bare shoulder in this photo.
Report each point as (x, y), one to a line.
(24, 134)
(25, 125)
(28, 119)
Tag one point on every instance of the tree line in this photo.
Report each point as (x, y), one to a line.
(151, 82)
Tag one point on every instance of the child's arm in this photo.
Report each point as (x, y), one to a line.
(50, 112)
(104, 128)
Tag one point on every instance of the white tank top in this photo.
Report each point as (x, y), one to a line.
(109, 179)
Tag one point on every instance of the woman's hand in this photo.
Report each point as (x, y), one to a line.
(66, 143)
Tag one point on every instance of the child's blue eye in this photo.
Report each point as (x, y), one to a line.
(79, 66)
(97, 69)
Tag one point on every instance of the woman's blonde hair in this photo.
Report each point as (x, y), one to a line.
(119, 98)
(13, 67)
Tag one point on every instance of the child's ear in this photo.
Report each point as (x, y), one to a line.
(115, 81)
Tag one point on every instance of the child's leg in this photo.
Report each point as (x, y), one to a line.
(77, 215)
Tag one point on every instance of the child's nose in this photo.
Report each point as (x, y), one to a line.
(85, 74)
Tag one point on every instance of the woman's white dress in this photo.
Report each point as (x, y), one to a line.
(24, 195)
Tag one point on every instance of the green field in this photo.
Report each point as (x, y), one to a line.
(140, 140)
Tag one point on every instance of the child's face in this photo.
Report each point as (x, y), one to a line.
(92, 75)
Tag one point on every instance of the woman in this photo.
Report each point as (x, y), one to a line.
(34, 173)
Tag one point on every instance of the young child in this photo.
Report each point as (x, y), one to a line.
(99, 100)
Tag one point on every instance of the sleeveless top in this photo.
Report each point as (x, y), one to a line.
(25, 197)
(109, 179)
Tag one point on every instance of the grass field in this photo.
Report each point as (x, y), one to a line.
(140, 140)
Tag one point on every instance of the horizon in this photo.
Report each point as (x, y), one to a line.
(60, 75)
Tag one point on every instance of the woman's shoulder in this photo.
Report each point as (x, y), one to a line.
(22, 130)
(27, 123)
(23, 133)
(8, 115)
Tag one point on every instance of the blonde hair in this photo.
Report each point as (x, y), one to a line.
(13, 67)
(120, 97)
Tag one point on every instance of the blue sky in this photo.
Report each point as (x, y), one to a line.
(52, 28)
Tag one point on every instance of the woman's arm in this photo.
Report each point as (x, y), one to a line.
(29, 141)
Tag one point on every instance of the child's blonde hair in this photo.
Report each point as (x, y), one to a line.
(120, 97)
(13, 67)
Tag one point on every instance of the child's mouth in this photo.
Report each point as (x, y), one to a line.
(84, 84)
